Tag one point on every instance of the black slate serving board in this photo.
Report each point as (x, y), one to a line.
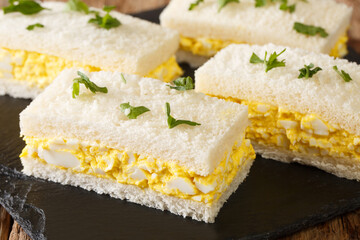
(276, 199)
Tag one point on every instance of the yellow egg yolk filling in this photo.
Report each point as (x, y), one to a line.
(208, 47)
(39, 70)
(143, 171)
(303, 133)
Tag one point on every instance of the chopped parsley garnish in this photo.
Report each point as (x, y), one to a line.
(310, 30)
(307, 72)
(83, 79)
(123, 78)
(223, 3)
(283, 6)
(183, 84)
(260, 3)
(133, 112)
(195, 4)
(26, 7)
(31, 27)
(172, 122)
(77, 5)
(107, 21)
(343, 74)
(273, 62)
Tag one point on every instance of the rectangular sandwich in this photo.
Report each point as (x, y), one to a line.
(206, 26)
(38, 42)
(138, 139)
(303, 106)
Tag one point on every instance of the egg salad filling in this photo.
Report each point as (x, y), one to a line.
(39, 70)
(208, 47)
(143, 171)
(303, 133)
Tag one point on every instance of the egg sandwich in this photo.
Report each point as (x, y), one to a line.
(303, 106)
(35, 46)
(139, 139)
(207, 26)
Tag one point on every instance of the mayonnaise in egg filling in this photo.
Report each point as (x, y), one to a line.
(141, 170)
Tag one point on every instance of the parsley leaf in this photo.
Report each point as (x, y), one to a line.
(273, 62)
(123, 78)
(77, 5)
(183, 84)
(310, 30)
(107, 21)
(88, 84)
(343, 74)
(195, 4)
(223, 3)
(133, 112)
(31, 27)
(307, 72)
(285, 7)
(26, 7)
(172, 122)
(260, 3)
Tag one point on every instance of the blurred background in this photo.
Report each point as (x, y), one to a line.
(340, 227)
(133, 6)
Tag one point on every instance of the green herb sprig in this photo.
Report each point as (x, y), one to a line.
(343, 74)
(33, 26)
(83, 79)
(77, 5)
(172, 122)
(107, 21)
(26, 7)
(273, 62)
(183, 84)
(310, 30)
(283, 6)
(195, 4)
(123, 78)
(308, 72)
(133, 112)
(223, 3)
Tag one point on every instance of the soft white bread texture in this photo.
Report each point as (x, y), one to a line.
(230, 74)
(97, 119)
(341, 167)
(242, 22)
(18, 89)
(135, 47)
(146, 197)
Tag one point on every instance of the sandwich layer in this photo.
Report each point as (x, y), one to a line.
(335, 150)
(34, 58)
(147, 197)
(204, 30)
(143, 171)
(91, 136)
(316, 118)
(38, 70)
(207, 47)
(50, 116)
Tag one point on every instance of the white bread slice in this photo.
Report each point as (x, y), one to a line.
(230, 74)
(242, 22)
(97, 117)
(135, 47)
(341, 167)
(147, 197)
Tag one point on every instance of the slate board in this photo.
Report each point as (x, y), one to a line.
(276, 199)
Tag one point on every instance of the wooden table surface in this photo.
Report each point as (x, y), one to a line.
(343, 227)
